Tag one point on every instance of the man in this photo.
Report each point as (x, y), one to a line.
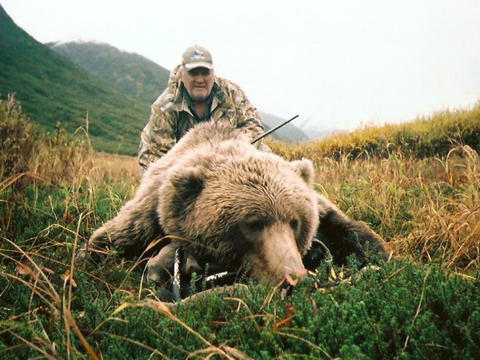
(194, 94)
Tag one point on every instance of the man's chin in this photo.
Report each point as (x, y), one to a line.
(199, 97)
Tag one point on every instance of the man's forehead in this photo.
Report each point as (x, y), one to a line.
(199, 70)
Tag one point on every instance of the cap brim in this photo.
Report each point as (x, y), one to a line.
(199, 64)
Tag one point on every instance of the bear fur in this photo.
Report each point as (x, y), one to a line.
(225, 203)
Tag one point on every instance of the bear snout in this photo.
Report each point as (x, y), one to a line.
(280, 252)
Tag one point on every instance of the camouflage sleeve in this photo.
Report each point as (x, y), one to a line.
(248, 117)
(158, 136)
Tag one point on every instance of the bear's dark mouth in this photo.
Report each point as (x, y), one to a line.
(213, 274)
(209, 274)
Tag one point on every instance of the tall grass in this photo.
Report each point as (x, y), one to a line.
(427, 208)
(427, 136)
(57, 191)
(417, 184)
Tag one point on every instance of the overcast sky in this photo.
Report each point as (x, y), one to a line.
(338, 64)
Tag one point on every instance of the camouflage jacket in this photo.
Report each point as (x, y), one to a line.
(171, 117)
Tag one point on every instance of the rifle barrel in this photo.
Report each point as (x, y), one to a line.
(272, 130)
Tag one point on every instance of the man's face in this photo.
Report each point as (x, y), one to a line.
(198, 82)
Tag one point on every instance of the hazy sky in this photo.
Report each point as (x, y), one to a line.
(335, 63)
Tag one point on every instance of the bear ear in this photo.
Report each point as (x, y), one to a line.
(188, 184)
(304, 168)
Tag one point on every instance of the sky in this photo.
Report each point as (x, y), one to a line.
(338, 64)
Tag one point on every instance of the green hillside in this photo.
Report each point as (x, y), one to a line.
(129, 72)
(52, 89)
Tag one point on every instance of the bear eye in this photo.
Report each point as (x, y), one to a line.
(256, 225)
(294, 224)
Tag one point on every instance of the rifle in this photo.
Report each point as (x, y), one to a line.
(272, 130)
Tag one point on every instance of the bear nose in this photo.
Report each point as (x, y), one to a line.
(293, 276)
(290, 282)
(281, 253)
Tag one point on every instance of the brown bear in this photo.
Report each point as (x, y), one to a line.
(225, 203)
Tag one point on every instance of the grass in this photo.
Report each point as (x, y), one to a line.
(422, 207)
(424, 137)
(424, 303)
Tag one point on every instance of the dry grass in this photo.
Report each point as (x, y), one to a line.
(427, 208)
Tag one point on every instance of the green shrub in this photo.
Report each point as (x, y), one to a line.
(18, 139)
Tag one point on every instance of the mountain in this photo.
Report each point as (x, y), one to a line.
(53, 89)
(288, 133)
(142, 78)
(318, 133)
(129, 72)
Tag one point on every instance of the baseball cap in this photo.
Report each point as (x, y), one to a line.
(197, 56)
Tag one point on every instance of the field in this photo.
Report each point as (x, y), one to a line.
(423, 200)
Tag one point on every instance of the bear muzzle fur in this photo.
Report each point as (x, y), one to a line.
(275, 254)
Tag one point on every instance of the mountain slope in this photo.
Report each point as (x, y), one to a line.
(142, 78)
(288, 133)
(128, 72)
(52, 89)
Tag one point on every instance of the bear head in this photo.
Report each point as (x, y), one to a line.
(238, 206)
